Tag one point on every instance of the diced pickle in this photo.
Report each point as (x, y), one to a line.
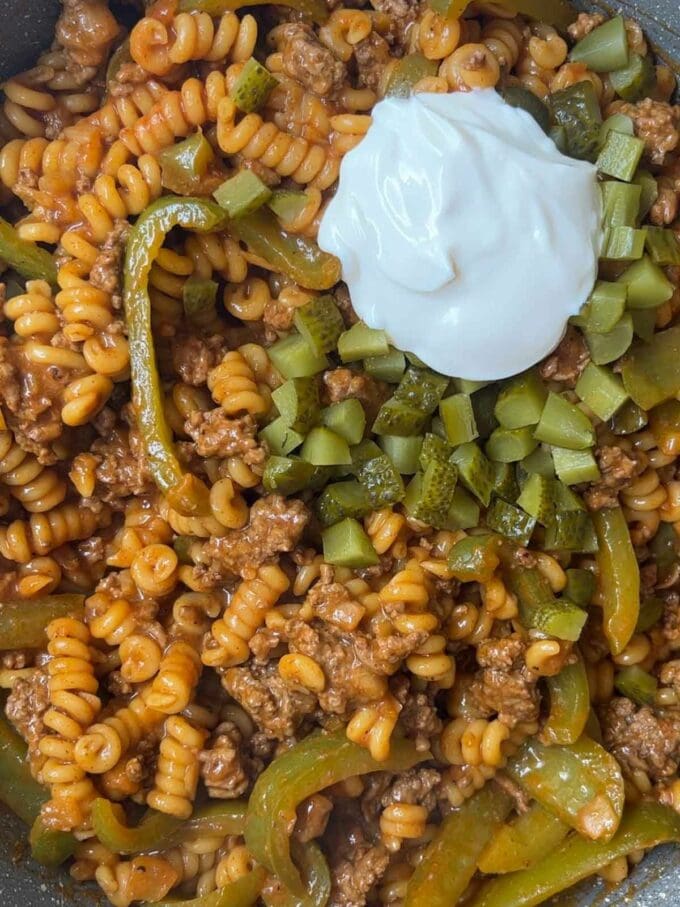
(623, 243)
(389, 367)
(396, 417)
(253, 86)
(620, 156)
(663, 246)
(483, 406)
(324, 447)
(459, 419)
(539, 462)
(636, 684)
(347, 418)
(629, 419)
(297, 401)
(605, 348)
(505, 482)
(430, 498)
(649, 192)
(650, 373)
(381, 480)
(510, 521)
(474, 558)
(284, 475)
(409, 70)
(508, 445)
(537, 498)
(341, 500)
(280, 438)
(575, 466)
(434, 448)
(604, 48)
(646, 284)
(635, 80)
(568, 530)
(651, 612)
(242, 194)
(463, 512)
(346, 545)
(287, 204)
(601, 390)
(475, 471)
(564, 424)
(518, 96)
(361, 342)
(521, 401)
(421, 389)
(403, 452)
(294, 357)
(604, 308)
(577, 110)
(581, 585)
(320, 323)
(620, 204)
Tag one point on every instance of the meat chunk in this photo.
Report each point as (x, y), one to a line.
(87, 29)
(122, 468)
(671, 617)
(419, 719)
(194, 357)
(641, 739)
(504, 685)
(106, 271)
(371, 55)
(275, 526)
(667, 205)
(656, 123)
(584, 24)
(222, 768)
(353, 879)
(307, 60)
(568, 360)
(341, 383)
(618, 468)
(218, 435)
(401, 15)
(277, 709)
(418, 786)
(26, 707)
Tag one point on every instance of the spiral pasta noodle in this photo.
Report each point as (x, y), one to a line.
(232, 384)
(23, 539)
(36, 487)
(177, 774)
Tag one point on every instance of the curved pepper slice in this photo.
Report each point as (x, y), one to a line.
(580, 784)
(553, 12)
(569, 705)
(23, 623)
(146, 238)
(316, 876)
(523, 842)
(312, 765)
(408, 71)
(642, 826)
(157, 830)
(28, 258)
(315, 9)
(451, 859)
(242, 893)
(619, 574)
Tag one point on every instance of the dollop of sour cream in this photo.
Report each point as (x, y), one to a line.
(464, 233)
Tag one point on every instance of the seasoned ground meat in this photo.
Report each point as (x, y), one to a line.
(341, 383)
(106, 271)
(618, 468)
(275, 526)
(401, 16)
(26, 706)
(419, 719)
(640, 738)
(504, 686)
(193, 357)
(353, 879)
(371, 55)
(218, 435)
(312, 817)
(671, 617)
(307, 60)
(418, 785)
(86, 29)
(584, 24)
(277, 709)
(568, 360)
(222, 769)
(656, 123)
(665, 209)
(122, 468)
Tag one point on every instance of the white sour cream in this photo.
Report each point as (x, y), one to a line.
(464, 233)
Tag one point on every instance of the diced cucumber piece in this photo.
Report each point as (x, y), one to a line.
(346, 418)
(510, 521)
(389, 367)
(346, 545)
(567, 530)
(521, 401)
(646, 284)
(341, 500)
(601, 390)
(580, 588)
(283, 475)
(280, 438)
(475, 471)
(459, 419)
(606, 348)
(398, 418)
(663, 246)
(505, 482)
(430, 495)
(362, 342)
(242, 194)
(381, 480)
(320, 323)
(575, 466)
(537, 498)
(253, 86)
(620, 156)
(623, 244)
(421, 389)
(324, 447)
(297, 401)
(605, 48)
(564, 424)
(403, 452)
(434, 448)
(463, 512)
(604, 308)
(293, 357)
(508, 445)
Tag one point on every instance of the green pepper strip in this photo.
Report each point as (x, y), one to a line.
(619, 578)
(22, 623)
(580, 784)
(317, 879)
(523, 842)
(315, 9)
(569, 705)
(24, 796)
(242, 893)
(295, 256)
(312, 765)
(451, 860)
(156, 830)
(642, 827)
(29, 259)
(146, 238)
(407, 73)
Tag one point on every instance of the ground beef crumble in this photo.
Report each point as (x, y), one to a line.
(504, 686)
(618, 468)
(26, 706)
(307, 60)
(567, 362)
(640, 738)
(217, 434)
(656, 123)
(222, 765)
(194, 357)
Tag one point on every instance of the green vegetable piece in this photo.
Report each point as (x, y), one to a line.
(389, 367)
(649, 189)
(244, 892)
(601, 390)
(629, 419)
(312, 9)
(636, 684)
(523, 99)
(450, 861)
(318, 761)
(569, 694)
(575, 466)
(459, 419)
(381, 480)
(619, 577)
(421, 388)
(320, 323)
(294, 357)
(537, 498)
(664, 423)
(620, 204)
(430, 496)
(525, 840)
(253, 86)
(311, 862)
(605, 348)
(287, 204)
(539, 462)
(510, 521)
(577, 110)
(403, 452)
(362, 342)
(564, 424)
(199, 298)
(345, 544)
(623, 244)
(475, 470)
(297, 401)
(463, 512)
(604, 308)
(509, 445)
(474, 558)
(617, 122)
(434, 448)
(398, 418)
(635, 80)
(24, 627)
(565, 498)
(363, 452)
(242, 194)
(185, 164)
(29, 259)
(651, 612)
(505, 482)
(663, 246)
(567, 531)
(323, 447)
(646, 284)
(347, 418)
(408, 71)
(580, 586)
(620, 156)
(341, 500)
(521, 401)
(483, 406)
(468, 386)
(644, 323)
(284, 475)
(280, 438)
(605, 48)
(540, 610)
(650, 373)
(643, 826)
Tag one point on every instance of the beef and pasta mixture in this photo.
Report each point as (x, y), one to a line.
(289, 618)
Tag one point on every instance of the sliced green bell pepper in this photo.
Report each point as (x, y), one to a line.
(569, 705)
(28, 258)
(23, 623)
(523, 841)
(244, 892)
(619, 578)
